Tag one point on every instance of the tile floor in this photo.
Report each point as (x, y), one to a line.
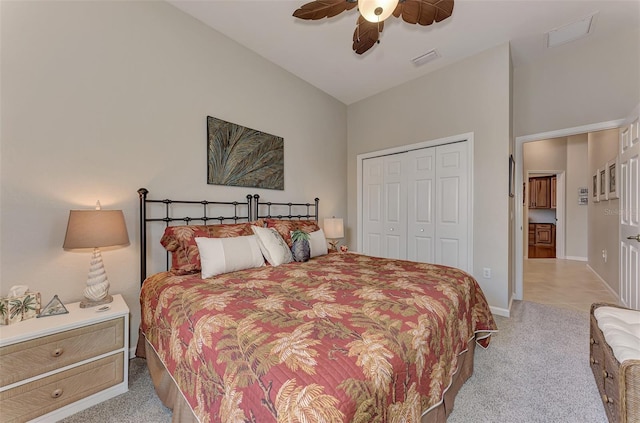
(563, 283)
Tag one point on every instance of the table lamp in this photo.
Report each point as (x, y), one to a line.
(333, 230)
(94, 229)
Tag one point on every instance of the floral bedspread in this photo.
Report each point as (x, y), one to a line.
(340, 338)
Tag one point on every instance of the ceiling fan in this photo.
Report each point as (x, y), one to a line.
(373, 13)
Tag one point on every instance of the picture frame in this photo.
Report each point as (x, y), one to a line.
(512, 176)
(243, 157)
(53, 308)
(596, 186)
(603, 194)
(613, 174)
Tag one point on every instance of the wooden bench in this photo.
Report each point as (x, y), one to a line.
(618, 383)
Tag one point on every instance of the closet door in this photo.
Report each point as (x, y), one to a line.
(452, 212)
(395, 207)
(421, 195)
(372, 206)
(384, 205)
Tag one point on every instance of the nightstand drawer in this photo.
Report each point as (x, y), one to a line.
(31, 358)
(34, 399)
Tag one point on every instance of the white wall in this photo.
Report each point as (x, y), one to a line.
(579, 83)
(603, 216)
(449, 102)
(577, 177)
(102, 98)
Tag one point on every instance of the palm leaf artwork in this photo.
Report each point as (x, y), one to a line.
(244, 157)
(367, 33)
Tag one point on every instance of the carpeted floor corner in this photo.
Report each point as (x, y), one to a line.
(535, 370)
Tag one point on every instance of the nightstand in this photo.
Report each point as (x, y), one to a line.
(55, 366)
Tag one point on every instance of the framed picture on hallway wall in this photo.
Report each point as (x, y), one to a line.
(596, 186)
(602, 180)
(613, 189)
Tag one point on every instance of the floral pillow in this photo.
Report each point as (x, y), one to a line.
(180, 241)
(285, 227)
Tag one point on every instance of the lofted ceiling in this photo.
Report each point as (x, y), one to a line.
(320, 53)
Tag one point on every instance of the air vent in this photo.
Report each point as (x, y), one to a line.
(425, 58)
(571, 32)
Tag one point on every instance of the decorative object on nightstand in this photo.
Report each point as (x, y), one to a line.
(334, 230)
(94, 229)
(53, 307)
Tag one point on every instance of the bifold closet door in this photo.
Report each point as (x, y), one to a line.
(421, 196)
(451, 205)
(415, 205)
(385, 207)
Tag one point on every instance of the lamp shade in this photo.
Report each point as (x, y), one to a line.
(333, 228)
(376, 10)
(95, 228)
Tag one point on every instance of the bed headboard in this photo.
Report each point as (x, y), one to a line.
(266, 210)
(181, 212)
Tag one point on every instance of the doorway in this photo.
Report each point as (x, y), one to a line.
(518, 251)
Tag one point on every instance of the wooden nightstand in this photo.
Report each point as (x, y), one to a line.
(55, 366)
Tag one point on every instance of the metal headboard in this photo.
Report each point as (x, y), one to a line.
(168, 218)
(252, 205)
(290, 208)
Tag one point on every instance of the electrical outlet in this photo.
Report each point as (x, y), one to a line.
(486, 273)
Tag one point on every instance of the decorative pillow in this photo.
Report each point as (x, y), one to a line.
(224, 255)
(317, 246)
(180, 242)
(273, 247)
(285, 227)
(318, 243)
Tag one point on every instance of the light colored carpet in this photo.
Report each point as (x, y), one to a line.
(535, 370)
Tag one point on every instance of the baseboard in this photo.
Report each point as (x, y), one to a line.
(499, 311)
(606, 285)
(576, 258)
(132, 353)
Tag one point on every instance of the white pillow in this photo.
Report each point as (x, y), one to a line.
(318, 243)
(223, 255)
(273, 247)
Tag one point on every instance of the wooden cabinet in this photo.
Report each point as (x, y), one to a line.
(542, 240)
(542, 192)
(55, 366)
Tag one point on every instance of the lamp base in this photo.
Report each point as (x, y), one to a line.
(87, 303)
(333, 245)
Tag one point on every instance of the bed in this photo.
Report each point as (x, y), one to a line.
(341, 337)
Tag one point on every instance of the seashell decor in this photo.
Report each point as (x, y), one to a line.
(97, 282)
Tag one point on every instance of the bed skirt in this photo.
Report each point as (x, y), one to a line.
(171, 397)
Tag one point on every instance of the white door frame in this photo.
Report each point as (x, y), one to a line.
(468, 137)
(518, 256)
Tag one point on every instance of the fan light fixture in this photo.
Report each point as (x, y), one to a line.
(372, 14)
(376, 10)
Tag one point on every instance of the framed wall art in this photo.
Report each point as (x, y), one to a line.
(243, 157)
(602, 181)
(596, 186)
(613, 189)
(512, 176)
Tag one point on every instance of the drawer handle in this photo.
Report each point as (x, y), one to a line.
(607, 375)
(57, 352)
(593, 341)
(593, 361)
(57, 393)
(607, 399)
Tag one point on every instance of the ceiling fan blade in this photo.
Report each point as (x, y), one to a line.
(424, 12)
(366, 34)
(319, 9)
